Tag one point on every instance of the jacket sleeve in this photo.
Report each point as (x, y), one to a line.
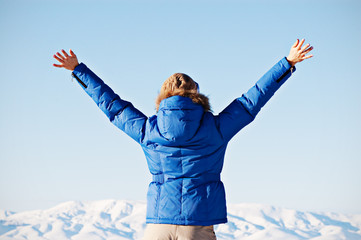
(243, 110)
(121, 113)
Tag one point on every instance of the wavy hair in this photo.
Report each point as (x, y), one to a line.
(180, 84)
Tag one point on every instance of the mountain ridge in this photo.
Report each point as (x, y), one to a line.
(125, 219)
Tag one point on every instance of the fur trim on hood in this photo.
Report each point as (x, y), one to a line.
(182, 85)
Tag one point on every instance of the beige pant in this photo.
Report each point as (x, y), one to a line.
(178, 232)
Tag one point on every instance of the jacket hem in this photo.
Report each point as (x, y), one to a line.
(186, 221)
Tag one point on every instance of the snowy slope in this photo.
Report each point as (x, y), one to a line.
(115, 219)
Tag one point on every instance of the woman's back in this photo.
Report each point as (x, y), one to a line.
(185, 152)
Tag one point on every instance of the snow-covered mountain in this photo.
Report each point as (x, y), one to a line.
(116, 219)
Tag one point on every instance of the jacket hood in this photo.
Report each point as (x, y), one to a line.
(179, 118)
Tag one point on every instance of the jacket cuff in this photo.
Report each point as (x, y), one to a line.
(287, 65)
(80, 68)
(288, 70)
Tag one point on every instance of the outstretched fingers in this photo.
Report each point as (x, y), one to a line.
(307, 57)
(65, 53)
(58, 65)
(67, 61)
(71, 53)
(300, 44)
(305, 47)
(307, 50)
(296, 43)
(298, 52)
(58, 58)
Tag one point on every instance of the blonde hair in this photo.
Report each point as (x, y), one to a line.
(180, 84)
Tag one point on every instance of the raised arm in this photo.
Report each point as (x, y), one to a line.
(121, 113)
(243, 110)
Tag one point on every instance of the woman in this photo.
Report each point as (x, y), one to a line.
(184, 143)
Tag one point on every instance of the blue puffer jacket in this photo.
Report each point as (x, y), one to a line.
(184, 146)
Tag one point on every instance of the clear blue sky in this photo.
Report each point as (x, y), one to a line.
(303, 150)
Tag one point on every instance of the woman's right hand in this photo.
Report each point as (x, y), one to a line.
(66, 61)
(298, 53)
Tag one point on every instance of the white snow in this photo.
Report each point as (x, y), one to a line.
(119, 219)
